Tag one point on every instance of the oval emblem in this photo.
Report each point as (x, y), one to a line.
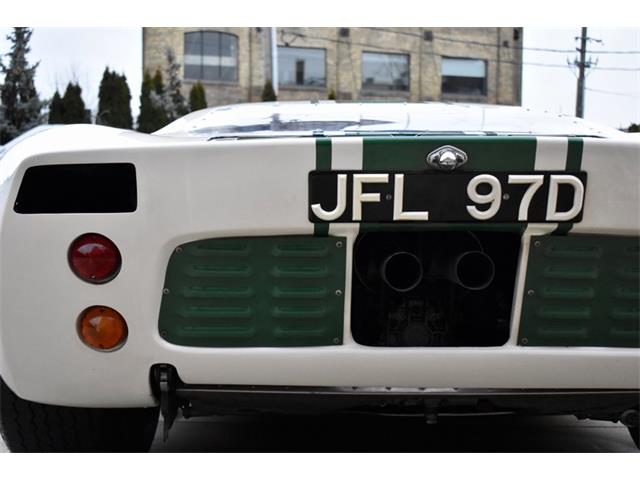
(447, 158)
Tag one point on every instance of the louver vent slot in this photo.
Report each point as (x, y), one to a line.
(255, 292)
(583, 291)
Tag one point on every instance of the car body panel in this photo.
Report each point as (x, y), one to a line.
(191, 189)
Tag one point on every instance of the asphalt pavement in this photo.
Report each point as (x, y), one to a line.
(392, 434)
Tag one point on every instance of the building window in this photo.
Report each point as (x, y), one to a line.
(210, 56)
(385, 71)
(464, 76)
(301, 66)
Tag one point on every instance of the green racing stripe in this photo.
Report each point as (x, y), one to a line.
(323, 162)
(486, 154)
(574, 163)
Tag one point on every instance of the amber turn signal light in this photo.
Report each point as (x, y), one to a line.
(102, 328)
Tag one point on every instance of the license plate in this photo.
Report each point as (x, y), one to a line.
(357, 196)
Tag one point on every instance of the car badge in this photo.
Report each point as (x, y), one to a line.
(447, 158)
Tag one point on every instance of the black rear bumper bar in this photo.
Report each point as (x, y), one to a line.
(206, 399)
(200, 400)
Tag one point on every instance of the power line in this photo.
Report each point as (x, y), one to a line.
(401, 50)
(619, 94)
(513, 47)
(559, 65)
(345, 42)
(616, 52)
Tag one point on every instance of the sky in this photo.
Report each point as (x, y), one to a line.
(612, 98)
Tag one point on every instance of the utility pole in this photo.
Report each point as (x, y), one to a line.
(274, 59)
(582, 64)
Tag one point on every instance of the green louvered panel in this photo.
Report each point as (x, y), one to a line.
(582, 290)
(255, 292)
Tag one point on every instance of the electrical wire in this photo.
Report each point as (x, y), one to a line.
(608, 92)
(514, 47)
(504, 61)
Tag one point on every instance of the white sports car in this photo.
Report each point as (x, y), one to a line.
(303, 257)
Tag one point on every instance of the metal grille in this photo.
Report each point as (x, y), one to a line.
(582, 290)
(255, 292)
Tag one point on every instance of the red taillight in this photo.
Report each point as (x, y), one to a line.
(94, 258)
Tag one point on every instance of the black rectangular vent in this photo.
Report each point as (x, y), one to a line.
(80, 188)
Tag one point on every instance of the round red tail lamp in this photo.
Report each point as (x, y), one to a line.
(102, 328)
(94, 258)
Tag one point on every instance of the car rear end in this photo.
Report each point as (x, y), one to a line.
(237, 297)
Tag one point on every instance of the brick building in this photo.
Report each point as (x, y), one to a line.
(358, 64)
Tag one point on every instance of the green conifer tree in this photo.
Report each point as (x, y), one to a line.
(175, 104)
(114, 101)
(55, 109)
(73, 110)
(268, 93)
(20, 106)
(152, 114)
(197, 97)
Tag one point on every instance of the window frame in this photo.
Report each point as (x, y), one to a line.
(305, 87)
(381, 88)
(207, 80)
(485, 86)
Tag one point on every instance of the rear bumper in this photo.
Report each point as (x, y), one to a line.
(604, 404)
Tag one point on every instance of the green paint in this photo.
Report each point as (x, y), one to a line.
(574, 163)
(574, 155)
(255, 292)
(486, 154)
(585, 291)
(323, 162)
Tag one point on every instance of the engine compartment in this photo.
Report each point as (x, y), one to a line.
(433, 289)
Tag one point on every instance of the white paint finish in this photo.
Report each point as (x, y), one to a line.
(185, 194)
(355, 365)
(346, 153)
(203, 190)
(350, 232)
(612, 197)
(551, 154)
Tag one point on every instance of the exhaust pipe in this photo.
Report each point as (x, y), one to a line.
(401, 271)
(473, 270)
(630, 418)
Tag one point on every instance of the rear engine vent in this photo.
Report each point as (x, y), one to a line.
(433, 289)
(82, 188)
